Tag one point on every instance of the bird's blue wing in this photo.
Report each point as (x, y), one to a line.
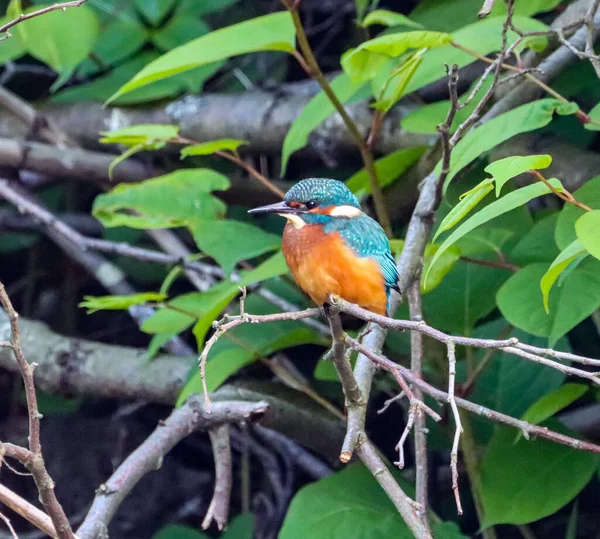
(366, 237)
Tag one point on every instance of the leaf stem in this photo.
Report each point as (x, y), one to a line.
(563, 195)
(312, 68)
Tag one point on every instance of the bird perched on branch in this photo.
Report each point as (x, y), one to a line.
(333, 248)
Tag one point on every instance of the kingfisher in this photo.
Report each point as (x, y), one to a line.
(333, 248)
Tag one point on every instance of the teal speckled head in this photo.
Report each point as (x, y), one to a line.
(323, 192)
(316, 201)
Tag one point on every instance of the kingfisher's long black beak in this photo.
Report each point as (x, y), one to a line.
(278, 207)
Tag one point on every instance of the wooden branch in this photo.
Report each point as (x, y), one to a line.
(148, 456)
(33, 459)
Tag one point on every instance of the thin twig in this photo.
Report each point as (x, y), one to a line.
(25, 17)
(28, 511)
(420, 429)
(218, 510)
(314, 70)
(9, 526)
(458, 425)
(33, 460)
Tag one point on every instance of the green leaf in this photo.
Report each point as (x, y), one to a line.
(484, 36)
(140, 134)
(118, 303)
(388, 169)
(12, 47)
(468, 202)
(395, 85)
(509, 202)
(594, 114)
(364, 62)
(447, 530)
(103, 87)
(50, 38)
(154, 10)
(176, 199)
(525, 118)
(445, 263)
(246, 343)
(178, 531)
(229, 241)
(206, 6)
(347, 504)
(589, 194)
(588, 232)
(548, 475)
(385, 17)
(178, 31)
(521, 302)
(538, 244)
(273, 32)
(241, 527)
(426, 118)
(552, 403)
(510, 384)
(207, 148)
(510, 167)
(560, 263)
(313, 114)
(122, 36)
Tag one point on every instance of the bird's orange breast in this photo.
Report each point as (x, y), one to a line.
(323, 265)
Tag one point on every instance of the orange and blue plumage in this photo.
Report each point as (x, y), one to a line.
(333, 248)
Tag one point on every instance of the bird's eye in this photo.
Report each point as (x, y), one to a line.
(311, 204)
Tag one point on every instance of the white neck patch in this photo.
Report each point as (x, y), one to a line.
(294, 219)
(346, 211)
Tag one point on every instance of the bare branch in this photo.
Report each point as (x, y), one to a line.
(218, 510)
(33, 459)
(149, 456)
(28, 511)
(486, 9)
(25, 17)
(458, 428)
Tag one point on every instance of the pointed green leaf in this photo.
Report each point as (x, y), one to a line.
(560, 263)
(395, 86)
(510, 167)
(207, 148)
(468, 201)
(229, 241)
(364, 62)
(588, 232)
(385, 17)
(521, 302)
(388, 169)
(51, 38)
(444, 264)
(313, 114)
(346, 504)
(589, 194)
(553, 402)
(173, 200)
(525, 118)
(504, 204)
(178, 31)
(246, 343)
(538, 244)
(118, 303)
(154, 10)
(179, 531)
(594, 114)
(483, 36)
(273, 32)
(140, 134)
(539, 466)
